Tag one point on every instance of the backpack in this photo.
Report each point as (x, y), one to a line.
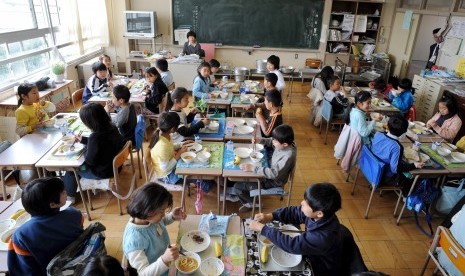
(420, 200)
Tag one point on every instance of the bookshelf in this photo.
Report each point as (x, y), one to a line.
(352, 24)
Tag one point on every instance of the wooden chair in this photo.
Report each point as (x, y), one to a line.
(118, 162)
(450, 248)
(161, 108)
(327, 115)
(77, 97)
(258, 193)
(150, 175)
(373, 169)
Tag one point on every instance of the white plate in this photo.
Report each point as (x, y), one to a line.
(384, 104)
(419, 123)
(284, 259)
(243, 130)
(188, 243)
(78, 147)
(238, 122)
(22, 219)
(452, 146)
(458, 156)
(194, 147)
(424, 157)
(242, 152)
(229, 84)
(212, 266)
(258, 147)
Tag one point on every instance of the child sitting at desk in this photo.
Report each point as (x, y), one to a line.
(356, 116)
(282, 163)
(268, 113)
(201, 85)
(146, 243)
(215, 67)
(126, 118)
(321, 241)
(32, 111)
(155, 92)
(49, 231)
(270, 82)
(164, 152)
(272, 64)
(403, 98)
(165, 74)
(97, 83)
(387, 148)
(178, 100)
(337, 97)
(446, 123)
(105, 59)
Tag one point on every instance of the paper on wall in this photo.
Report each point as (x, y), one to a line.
(360, 24)
(460, 67)
(452, 45)
(180, 35)
(407, 20)
(348, 22)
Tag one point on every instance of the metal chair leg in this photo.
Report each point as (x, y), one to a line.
(369, 201)
(326, 134)
(405, 203)
(355, 181)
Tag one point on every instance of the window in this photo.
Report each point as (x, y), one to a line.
(28, 44)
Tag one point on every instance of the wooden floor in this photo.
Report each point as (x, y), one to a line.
(386, 247)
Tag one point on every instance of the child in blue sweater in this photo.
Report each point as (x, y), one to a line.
(403, 98)
(356, 116)
(322, 241)
(97, 83)
(146, 243)
(48, 232)
(202, 82)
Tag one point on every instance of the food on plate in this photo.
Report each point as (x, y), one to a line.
(411, 154)
(259, 110)
(188, 157)
(18, 214)
(198, 239)
(266, 241)
(191, 149)
(218, 249)
(206, 149)
(237, 160)
(187, 264)
(264, 254)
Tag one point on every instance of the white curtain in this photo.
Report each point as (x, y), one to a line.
(94, 23)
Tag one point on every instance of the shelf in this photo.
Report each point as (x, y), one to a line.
(335, 28)
(343, 41)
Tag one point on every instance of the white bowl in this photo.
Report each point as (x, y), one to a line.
(444, 151)
(411, 124)
(243, 129)
(251, 123)
(212, 267)
(215, 94)
(67, 140)
(256, 156)
(375, 115)
(188, 157)
(224, 95)
(203, 156)
(239, 122)
(194, 147)
(242, 152)
(103, 94)
(458, 156)
(182, 263)
(284, 259)
(6, 236)
(419, 123)
(253, 99)
(50, 123)
(213, 125)
(264, 240)
(258, 147)
(6, 224)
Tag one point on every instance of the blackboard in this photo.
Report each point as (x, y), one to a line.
(267, 23)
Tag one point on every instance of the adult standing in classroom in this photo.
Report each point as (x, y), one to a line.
(434, 48)
(191, 46)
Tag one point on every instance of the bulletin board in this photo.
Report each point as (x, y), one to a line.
(453, 46)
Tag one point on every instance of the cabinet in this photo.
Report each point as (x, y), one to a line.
(143, 44)
(427, 95)
(352, 24)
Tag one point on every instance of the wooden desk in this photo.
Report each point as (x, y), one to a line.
(11, 103)
(220, 103)
(241, 137)
(25, 152)
(213, 169)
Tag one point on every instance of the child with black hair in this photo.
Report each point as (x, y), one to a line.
(214, 68)
(337, 97)
(272, 64)
(387, 148)
(269, 114)
(191, 46)
(49, 231)
(103, 144)
(155, 92)
(32, 111)
(106, 59)
(270, 81)
(165, 74)
(146, 243)
(126, 118)
(282, 163)
(446, 122)
(201, 86)
(103, 266)
(322, 79)
(97, 83)
(356, 116)
(403, 98)
(322, 241)
(178, 100)
(163, 151)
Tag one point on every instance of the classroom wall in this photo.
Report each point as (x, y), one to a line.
(234, 56)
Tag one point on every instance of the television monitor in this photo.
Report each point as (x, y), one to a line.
(140, 24)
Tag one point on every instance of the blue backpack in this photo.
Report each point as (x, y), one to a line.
(420, 200)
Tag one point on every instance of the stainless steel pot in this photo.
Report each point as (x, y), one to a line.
(261, 65)
(240, 73)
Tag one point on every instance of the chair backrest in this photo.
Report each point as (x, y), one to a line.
(118, 162)
(327, 110)
(452, 249)
(147, 163)
(140, 132)
(76, 97)
(371, 166)
(412, 114)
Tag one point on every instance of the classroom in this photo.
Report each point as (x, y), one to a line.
(216, 137)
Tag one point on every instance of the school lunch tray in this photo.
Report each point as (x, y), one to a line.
(207, 253)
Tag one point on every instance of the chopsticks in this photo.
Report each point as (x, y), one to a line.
(180, 252)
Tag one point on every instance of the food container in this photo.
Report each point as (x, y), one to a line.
(240, 73)
(188, 157)
(287, 69)
(261, 65)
